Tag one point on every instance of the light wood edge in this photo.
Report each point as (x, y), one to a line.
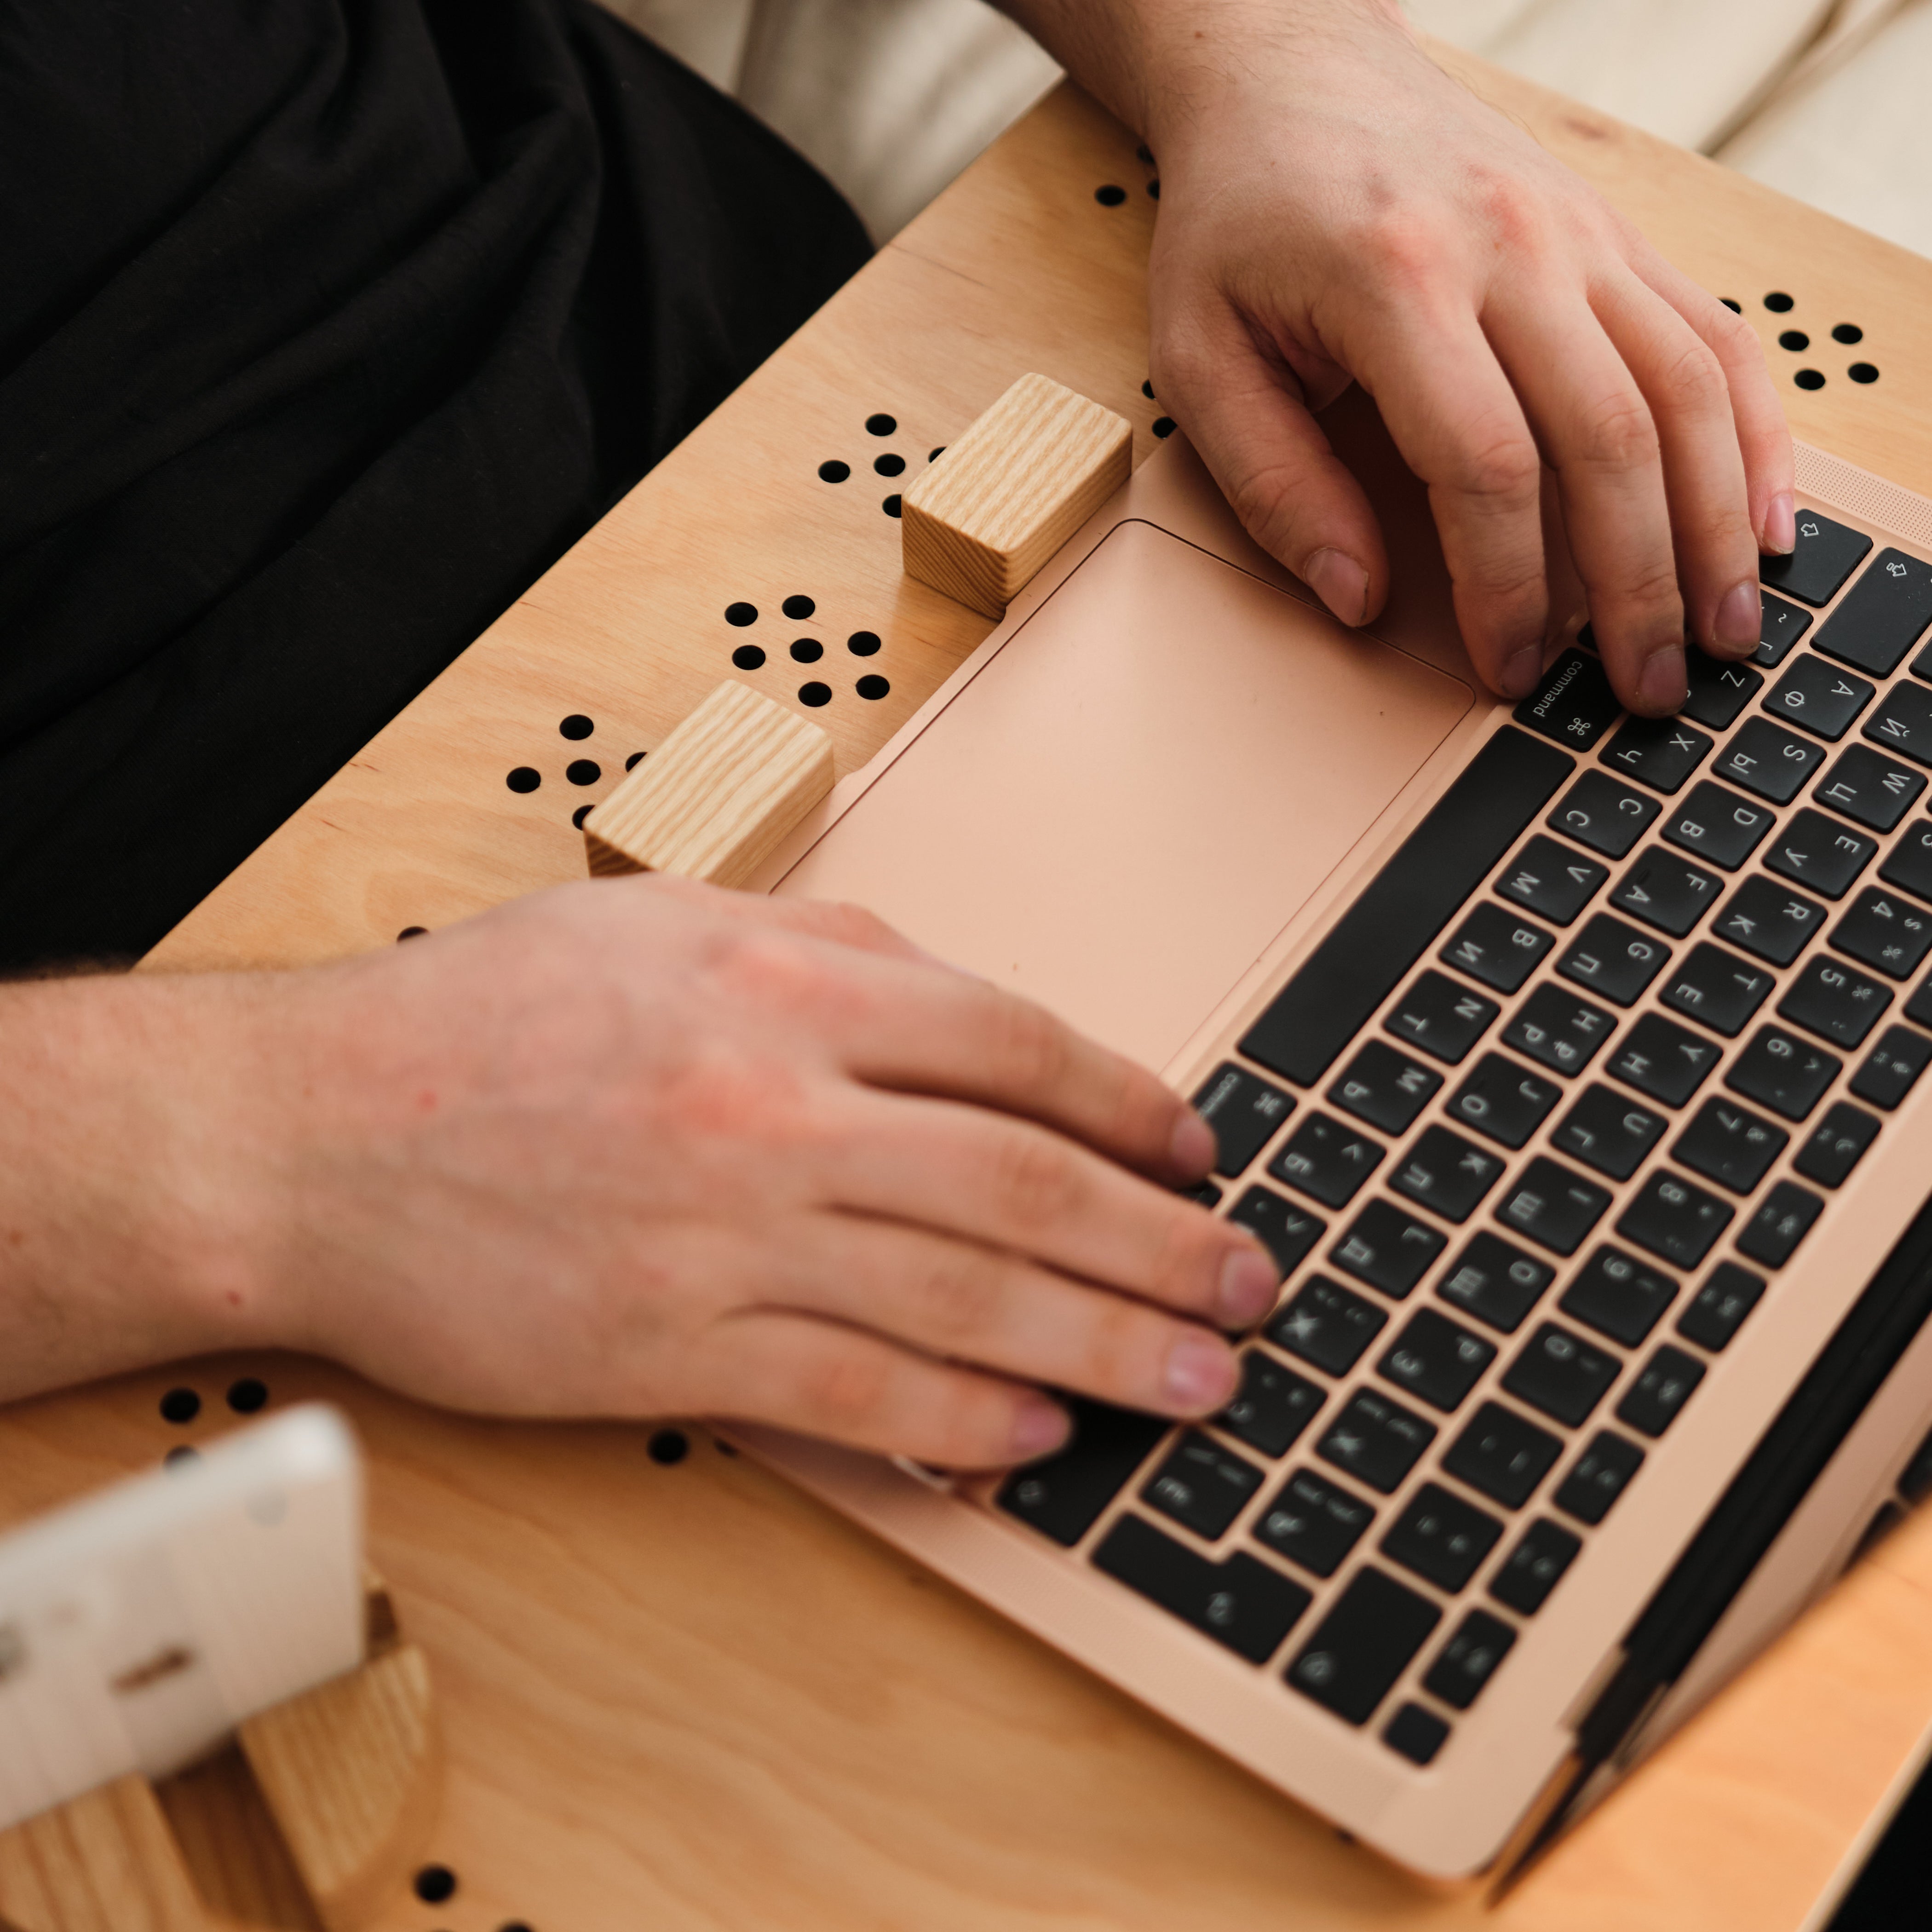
(105, 1862)
(982, 521)
(720, 792)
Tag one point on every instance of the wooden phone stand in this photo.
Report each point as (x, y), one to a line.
(314, 1814)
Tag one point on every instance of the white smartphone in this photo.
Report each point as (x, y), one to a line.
(139, 1626)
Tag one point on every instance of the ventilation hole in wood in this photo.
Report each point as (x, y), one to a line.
(881, 424)
(1810, 379)
(1778, 302)
(434, 1884)
(873, 686)
(807, 650)
(748, 657)
(814, 694)
(636, 758)
(1863, 372)
(1147, 390)
(583, 771)
(1848, 332)
(863, 643)
(182, 1452)
(1144, 155)
(668, 1446)
(798, 608)
(1154, 190)
(525, 778)
(891, 505)
(248, 1396)
(834, 472)
(934, 455)
(180, 1405)
(1163, 426)
(412, 932)
(1794, 339)
(582, 812)
(1111, 195)
(889, 465)
(576, 726)
(741, 614)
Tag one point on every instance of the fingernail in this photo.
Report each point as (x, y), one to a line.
(1781, 525)
(1521, 673)
(1193, 1147)
(1661, 687)
(1341, 584)
(1040, 1426)
(1200, 1376)
(1249, 1285)
(1737, 619)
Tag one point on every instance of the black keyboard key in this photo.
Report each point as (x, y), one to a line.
(1836, 1145)
(1883, 615)
(1918, 1008)
(1574, 704)
(1534, 1566)
(1818, 697)
(1872, 789)
(1468, 1660)
(1613, 959)
(1442, 1018)
(1886, 930)
(1674, 1220)
(1551, 879)
(1721, 826)
(1204, 1192)
(1327, 1158)
(1780, 626)
(1717, 1310)
(1385, 1088)
(1820, 853)
(1314, 1522)
(1287, 1231)
(1598, 1477)
(1441, 1538)
(1496, 947)
(1243, 1112)
(1826, 555)
(1662, 1059)
(1608, 1131)
(1769, 920)
(1660, 752)
(1387, 1249)
(1375, 1440)
(1903, 723)
(1729, 1144)
(1504, 1100)
(1781, 1220)
(1433, 875)
(1909, 865)
(1619, 1296)
(1667, 892)
(1560, 1374)
(1766, 759)
(1603, 813)
(1784, 1073)
(1062, 1496)
(1716, 988)
(1437, 1359)
(1892, 1067)
(1240, 1603)
(1363, 1645)
(1496, 1282)
(1415, 1734)
(1558, 1029)
(1651, 1404)
(1835, 1001)
(1553, 1207)
(1502, 1456)
(1326, 1324)
(1202, 1486)
(1272, 1407)
(1443, 1171)
(1718, 691)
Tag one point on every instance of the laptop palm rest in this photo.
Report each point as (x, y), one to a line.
(1137, 792)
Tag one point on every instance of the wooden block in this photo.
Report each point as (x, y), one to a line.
(717, 795)
(351, 1774)
(103, 1862)
(981, 520)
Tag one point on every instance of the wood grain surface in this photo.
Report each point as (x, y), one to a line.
(677, 1695)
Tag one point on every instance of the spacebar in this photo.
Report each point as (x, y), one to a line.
(1437, 868)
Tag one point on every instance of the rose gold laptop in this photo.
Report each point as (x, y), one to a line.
(1568, 1064)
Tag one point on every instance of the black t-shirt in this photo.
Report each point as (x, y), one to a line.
(325, 326)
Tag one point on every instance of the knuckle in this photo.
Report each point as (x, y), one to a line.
(1694, 383)
(1400, 245)
(847, 1387)
(965, 1295)
(1033, 1049)
(1617, 432)
(1035, 1180)
(1503, 471)
(857, 925)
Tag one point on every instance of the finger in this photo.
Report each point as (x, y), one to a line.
(1459, 426)
(1245, 413)
(1009, 1184)
(1597, 432)
(1689, 399)
(967, 1302)
(1764, 437)
(797, 1371)
(842, 924)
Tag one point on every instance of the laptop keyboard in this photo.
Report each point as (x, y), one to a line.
(1528, 1134)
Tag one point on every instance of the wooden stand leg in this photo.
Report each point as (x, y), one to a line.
(103, 1862)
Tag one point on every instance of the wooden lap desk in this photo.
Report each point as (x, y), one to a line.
(677, 1694)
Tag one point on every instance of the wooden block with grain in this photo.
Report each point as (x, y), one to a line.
(720, 792)
(982, 520)
(105, 1862)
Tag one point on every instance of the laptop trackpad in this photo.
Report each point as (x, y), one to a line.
(1138, 791)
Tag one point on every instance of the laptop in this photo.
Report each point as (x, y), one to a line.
(1571, 1066)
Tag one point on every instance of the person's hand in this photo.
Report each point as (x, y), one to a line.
(645, 1147)
(1334, 208)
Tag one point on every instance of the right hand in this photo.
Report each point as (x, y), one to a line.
(642, 1147)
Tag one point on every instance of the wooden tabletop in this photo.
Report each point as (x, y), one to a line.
(677, 1694)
